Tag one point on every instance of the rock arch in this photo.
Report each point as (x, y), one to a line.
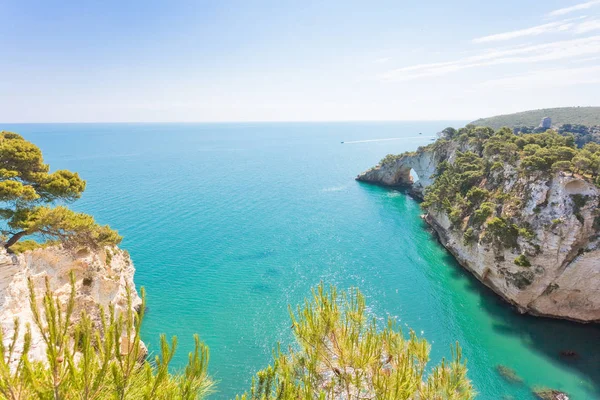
(398, 171)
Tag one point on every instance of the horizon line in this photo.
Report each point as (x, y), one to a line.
(237, 122)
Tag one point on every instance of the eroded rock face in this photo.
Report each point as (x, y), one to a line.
(563, 280)
(101, 276)
(397, 172)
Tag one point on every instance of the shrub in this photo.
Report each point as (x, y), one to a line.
(503, 231)
(469, 236)
(389, 159)
(566, 166)
(484, 211)
(522, 261)
(27, 245)
(556, 222)
(526, 233)
(455, 215)
(476, 195)
(109, 256)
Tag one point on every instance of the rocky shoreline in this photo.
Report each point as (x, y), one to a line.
(563, 277)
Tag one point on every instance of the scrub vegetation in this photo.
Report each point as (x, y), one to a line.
(470, 190)
(340, 353)
(94, 360)
(588, 116)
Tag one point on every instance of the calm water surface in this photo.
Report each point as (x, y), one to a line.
(227, 224)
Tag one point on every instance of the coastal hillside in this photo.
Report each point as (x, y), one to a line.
(518, 211)
(588, 116)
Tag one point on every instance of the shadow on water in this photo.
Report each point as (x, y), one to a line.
(546, 336)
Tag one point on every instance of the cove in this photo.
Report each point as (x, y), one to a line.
(227, 224)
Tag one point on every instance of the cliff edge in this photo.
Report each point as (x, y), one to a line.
(101, 278)
(513, 212)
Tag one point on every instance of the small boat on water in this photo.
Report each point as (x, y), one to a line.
(342, 142)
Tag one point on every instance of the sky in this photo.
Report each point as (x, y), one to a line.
(328, 60)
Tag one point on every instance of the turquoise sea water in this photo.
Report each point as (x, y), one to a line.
(227, 224)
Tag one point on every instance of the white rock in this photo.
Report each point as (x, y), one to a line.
(98, 283)
(564, 273)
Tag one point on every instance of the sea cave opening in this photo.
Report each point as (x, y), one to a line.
(414, 177)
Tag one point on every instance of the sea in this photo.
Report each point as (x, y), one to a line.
(231, 224)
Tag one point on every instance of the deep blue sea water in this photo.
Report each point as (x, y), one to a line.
(227, 224)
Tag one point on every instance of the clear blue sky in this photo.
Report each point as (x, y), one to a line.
(250, 60)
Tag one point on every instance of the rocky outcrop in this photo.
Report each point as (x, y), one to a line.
(546, 123)
(102, 277)
(396, 170)
(561, 211)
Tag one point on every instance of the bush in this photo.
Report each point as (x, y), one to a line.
(504, 232)
(484, 211)
(522, 261)
(526, 233)
(469, 236)
(389, 159)
(566, 166)
(27, 245)
(556, 222)
(476, 195)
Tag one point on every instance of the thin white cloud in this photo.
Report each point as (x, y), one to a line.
(577, 7)
(587, 26)
(577, 26)
(553, 51)
(545, 78)
(533, 31)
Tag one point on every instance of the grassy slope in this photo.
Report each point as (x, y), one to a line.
(565, 115)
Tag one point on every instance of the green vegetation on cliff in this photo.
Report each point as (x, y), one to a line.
(470, 189)
(588, 116)
(33, 199)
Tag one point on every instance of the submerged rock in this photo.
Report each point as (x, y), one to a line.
(508, 374)
(549, 394)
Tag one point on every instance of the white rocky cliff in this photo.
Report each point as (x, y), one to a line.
(563, 280)
(102, 277)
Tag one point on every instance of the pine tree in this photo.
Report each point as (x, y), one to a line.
(341, 354)
(29, 194)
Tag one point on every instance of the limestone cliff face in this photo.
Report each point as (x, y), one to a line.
(102, 277)
(396, 171)
(563, 280)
